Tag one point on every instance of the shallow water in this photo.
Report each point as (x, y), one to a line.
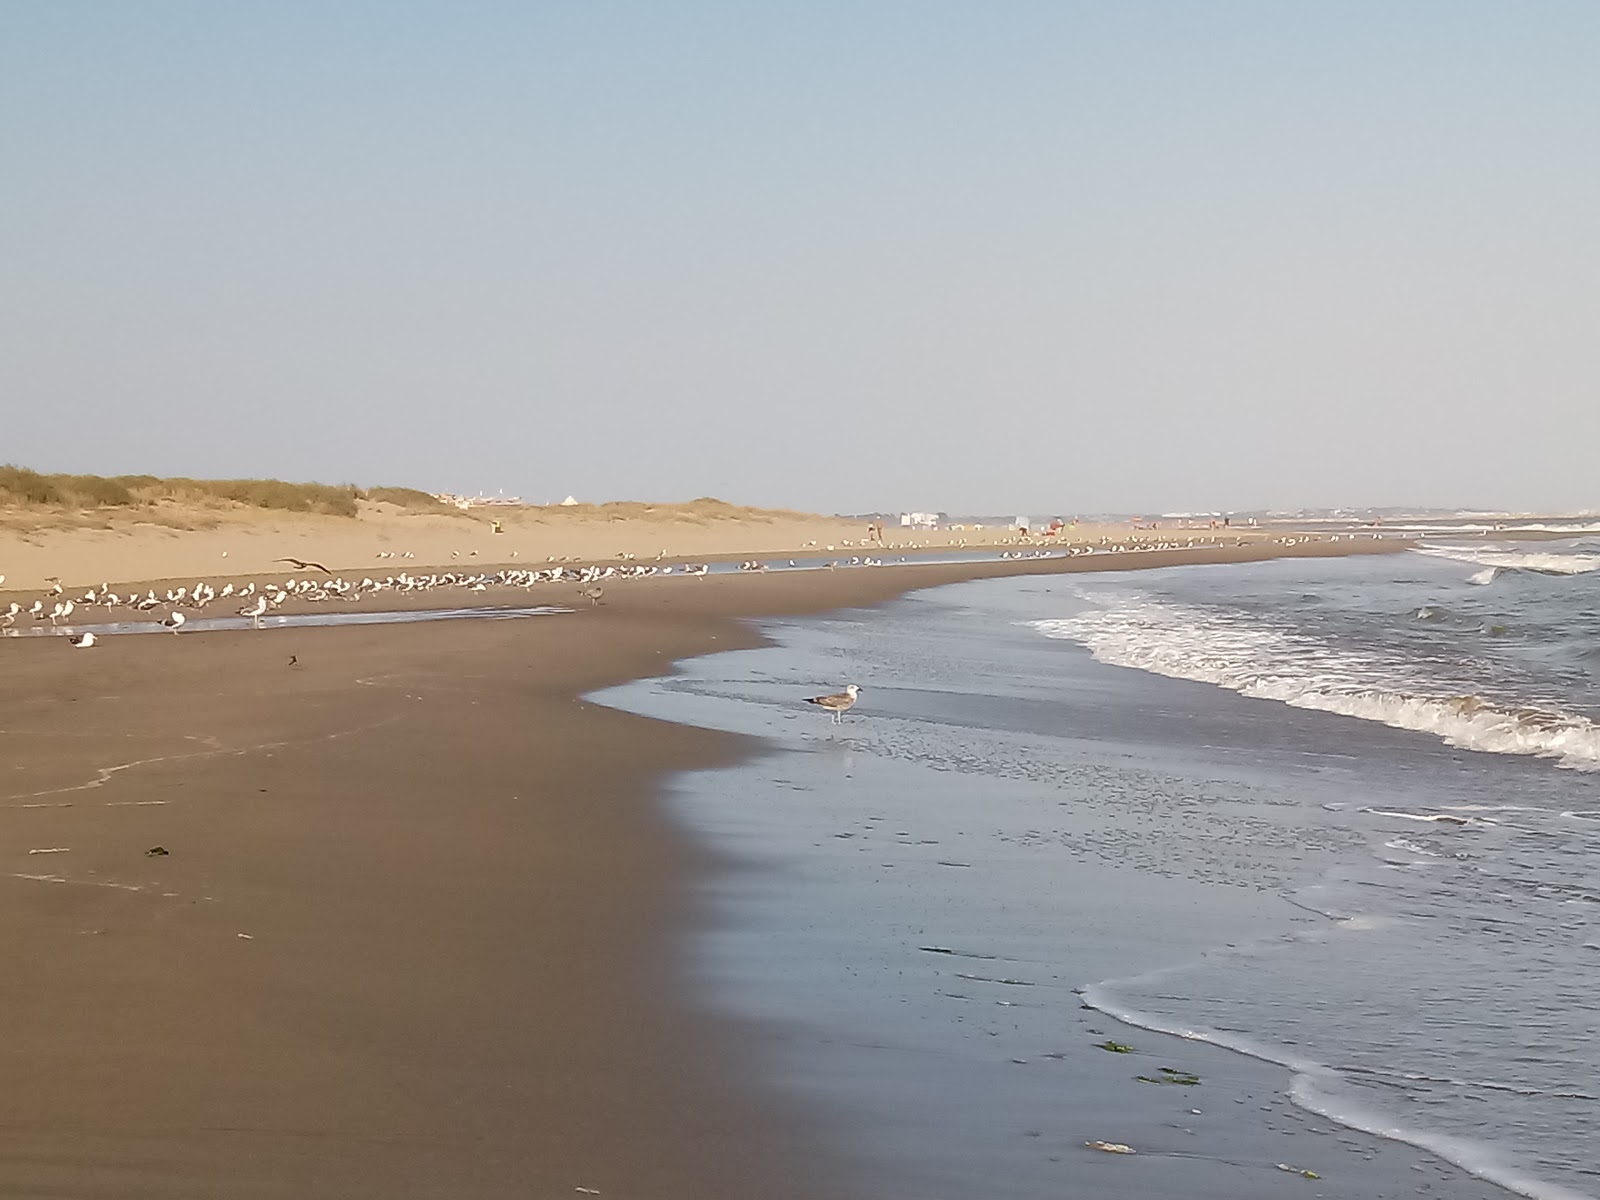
(202, 624)
(1408, 925)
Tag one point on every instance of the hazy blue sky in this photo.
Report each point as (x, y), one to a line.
(838, 255)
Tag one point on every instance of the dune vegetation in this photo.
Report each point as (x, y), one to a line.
(23, 488)
(32, 502)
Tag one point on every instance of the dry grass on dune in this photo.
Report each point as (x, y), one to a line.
(31, 498)
(20, 487)
(32, 502)
(410, 499)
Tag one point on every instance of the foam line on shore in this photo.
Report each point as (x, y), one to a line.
(1306, 1073)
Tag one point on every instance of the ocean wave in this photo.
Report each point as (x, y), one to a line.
(1573, 528)
(1498, 561)
(1255, 660)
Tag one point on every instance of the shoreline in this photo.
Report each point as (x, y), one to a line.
(385, 992)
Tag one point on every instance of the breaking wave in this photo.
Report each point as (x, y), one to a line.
(1185, 642)
(1498, 561)
(1569, 528)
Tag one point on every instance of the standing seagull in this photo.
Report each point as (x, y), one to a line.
(839, 703)
(592, 594)
(174, 621)
(254, 611)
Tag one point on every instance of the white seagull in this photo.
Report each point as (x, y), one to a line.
(174, 621)
(83, 641)
(254, 611)
(839, 703)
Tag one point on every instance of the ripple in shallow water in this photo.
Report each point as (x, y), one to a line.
(304, 620)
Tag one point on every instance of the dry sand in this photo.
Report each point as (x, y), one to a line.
(170, 542)
(413, 932)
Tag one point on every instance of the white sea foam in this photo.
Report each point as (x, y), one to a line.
(1256, 660)
(1573, 529)
(1444, 818)
(1409, 847)
(1514, 560)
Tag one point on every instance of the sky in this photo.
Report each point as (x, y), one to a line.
(971, 256)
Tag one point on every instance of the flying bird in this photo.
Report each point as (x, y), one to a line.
(302, 565)
(839, 703)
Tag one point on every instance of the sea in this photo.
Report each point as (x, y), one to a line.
(1335, 821)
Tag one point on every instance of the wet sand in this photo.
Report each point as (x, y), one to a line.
(414, 930)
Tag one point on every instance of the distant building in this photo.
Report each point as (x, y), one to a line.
(465, 502)
(919, 520)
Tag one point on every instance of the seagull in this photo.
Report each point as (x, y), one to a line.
(254, 611)
(174, 622)
(83, 641)
(839, 703)
(302, 565)
(593, 594)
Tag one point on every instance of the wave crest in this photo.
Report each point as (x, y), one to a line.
(1183, 642)
(1498, 561)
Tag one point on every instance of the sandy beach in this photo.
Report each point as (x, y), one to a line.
(799, 602)
(385, 910)
(183, 541)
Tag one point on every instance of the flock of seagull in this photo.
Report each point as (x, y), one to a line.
(257, 600)
(170, 608)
